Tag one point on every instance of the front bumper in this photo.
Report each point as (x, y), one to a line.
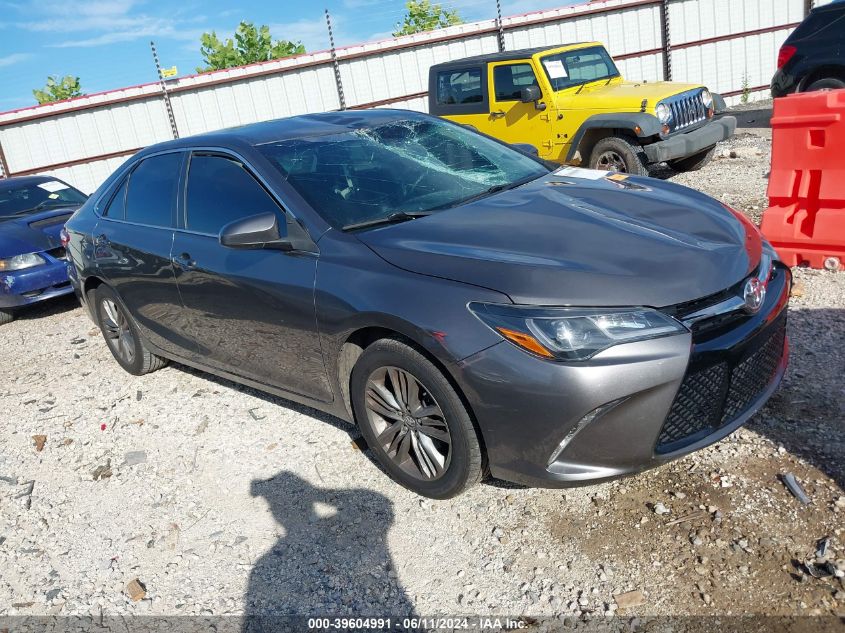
(691, 143)
(31, 285)
(527, 407)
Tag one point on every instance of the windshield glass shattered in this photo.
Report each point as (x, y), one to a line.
(20, 200)
(404, 168)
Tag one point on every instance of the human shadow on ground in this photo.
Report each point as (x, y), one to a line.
(332, 560)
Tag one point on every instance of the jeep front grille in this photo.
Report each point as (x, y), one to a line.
(687, 109)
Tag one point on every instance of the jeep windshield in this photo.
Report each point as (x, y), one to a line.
(398, 170)
(18, 200)
(580, 66)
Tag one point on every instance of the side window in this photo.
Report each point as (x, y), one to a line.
(116, 207)
(457, 87)
(152, 190)
(509, 80)
(221, 190)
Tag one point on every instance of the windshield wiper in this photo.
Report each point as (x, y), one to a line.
(47, 203)
(488, 192)
(393, 218)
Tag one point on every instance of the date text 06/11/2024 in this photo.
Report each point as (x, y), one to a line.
(417, 623)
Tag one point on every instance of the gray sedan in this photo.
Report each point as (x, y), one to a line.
(470, 308)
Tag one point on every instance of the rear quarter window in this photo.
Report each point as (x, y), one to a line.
(459, 87)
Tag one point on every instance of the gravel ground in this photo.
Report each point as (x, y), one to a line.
(218, 499)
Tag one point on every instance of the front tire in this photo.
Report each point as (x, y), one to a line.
(619, 154)
(414, 421)
(122, 336)
(694, 162)
(6, 316)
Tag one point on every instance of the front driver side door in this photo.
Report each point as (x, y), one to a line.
(251, 312)
(511, 120)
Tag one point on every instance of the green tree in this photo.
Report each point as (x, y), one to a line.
(424, 16)
(58, 89)
(249, 45)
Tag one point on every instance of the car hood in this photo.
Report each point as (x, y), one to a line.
(34, 233)
(623, 95)
(581, 240)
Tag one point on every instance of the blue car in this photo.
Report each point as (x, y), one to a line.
(33, 266)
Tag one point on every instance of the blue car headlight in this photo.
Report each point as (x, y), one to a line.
(20, 262)
(574, 334)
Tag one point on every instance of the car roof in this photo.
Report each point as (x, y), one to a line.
(18, 181)
(520, 53)
(300, 126)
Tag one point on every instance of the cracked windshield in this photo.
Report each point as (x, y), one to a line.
(397, 171)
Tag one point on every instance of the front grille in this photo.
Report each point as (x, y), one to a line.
(714, 396)
(751, 377)
(687, 109)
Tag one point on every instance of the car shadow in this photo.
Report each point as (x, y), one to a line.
(332, 560)
(806, 414)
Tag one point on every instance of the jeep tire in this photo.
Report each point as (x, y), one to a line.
(620, 154)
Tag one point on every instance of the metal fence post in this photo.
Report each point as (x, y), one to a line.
(808, 6)
(337, 79)
(666, 37)
(4, 165)
(164, 93)
(499, 27)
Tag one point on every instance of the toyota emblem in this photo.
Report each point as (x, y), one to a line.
(754, 294)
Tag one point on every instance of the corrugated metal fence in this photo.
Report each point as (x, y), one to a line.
(729, 45)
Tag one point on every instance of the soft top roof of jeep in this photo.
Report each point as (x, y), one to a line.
(521, 53)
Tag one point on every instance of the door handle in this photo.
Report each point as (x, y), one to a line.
(497, 114)
(101, 240)
(184, 262)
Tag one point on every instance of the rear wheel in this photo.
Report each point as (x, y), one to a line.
(617, 153)
(122, 334)
(829, 83)
(694, 162)
(6, 316)
(414, 421)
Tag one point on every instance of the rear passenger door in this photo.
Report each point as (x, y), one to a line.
(460, 95)
(132, 243)
(251, 312)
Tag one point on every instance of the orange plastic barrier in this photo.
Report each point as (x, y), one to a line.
(805, 221)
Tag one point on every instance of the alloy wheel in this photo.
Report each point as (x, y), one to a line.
(408, 423)
(118, 335)
(611, 161)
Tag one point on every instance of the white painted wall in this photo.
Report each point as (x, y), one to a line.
(96, 125)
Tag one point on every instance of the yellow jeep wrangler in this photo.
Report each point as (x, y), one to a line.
(572, 106)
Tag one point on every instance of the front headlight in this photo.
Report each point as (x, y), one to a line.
(574, 334)
(707, 98)
(663, 113)
(19, 262)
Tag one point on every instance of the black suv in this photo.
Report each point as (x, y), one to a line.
(813, 57)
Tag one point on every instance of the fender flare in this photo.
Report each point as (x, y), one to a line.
(648, 123)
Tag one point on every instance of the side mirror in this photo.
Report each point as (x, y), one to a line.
(530, 94)
(255, 231)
